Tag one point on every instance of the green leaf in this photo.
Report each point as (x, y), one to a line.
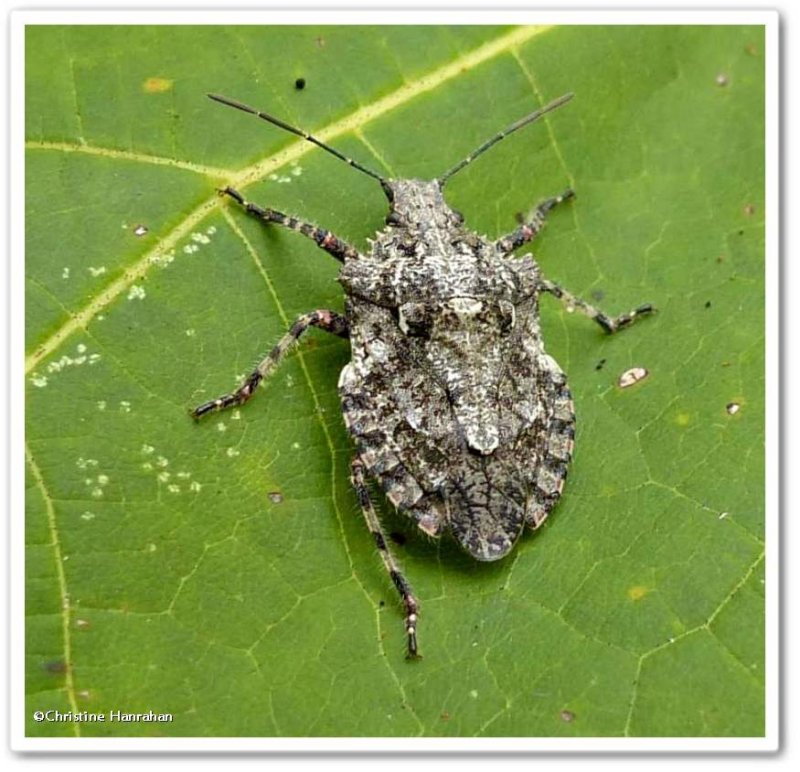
(221, 570)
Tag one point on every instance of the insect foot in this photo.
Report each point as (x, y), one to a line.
(454, 406)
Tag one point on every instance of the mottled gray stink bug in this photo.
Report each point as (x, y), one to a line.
(454, 406)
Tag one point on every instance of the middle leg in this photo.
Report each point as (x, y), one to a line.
(326, 320)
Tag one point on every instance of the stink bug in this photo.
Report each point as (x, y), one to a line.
(454, 406)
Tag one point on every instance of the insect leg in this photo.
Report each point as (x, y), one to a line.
(320, 236)
(326, 320)
(608, 323)
(528, 230)
(410, 603)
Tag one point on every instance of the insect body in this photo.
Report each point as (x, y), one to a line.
(454, 406)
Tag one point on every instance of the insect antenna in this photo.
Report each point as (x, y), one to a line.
(299, 132)
(534, 116)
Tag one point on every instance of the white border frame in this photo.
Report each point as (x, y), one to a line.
(20, 19)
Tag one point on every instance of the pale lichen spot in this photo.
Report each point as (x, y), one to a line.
(162, 259)
(637, 592)
(211, 230)
(85, 463)
(97, 493)
(88, 515)
(81, 348)
(191, 332)
(93, 358)
(632, 376)
(147, 449)
(195, 486)
(102, 479)
(221, 427)
(99, 271)
(232, 452)
(65, 273)
(162, 462)
(101, 404)
(200, 238)
(296, 170)
(189, 248)
(147, 466)
(184, 475)
(172, 488)
(39, 381)
(151, 547)
(164, 477)
(125, 406)
(136, 292)
(156, 85)
(295, 446)
(474, 694)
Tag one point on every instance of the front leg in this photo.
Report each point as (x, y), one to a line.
(527, 230)
(326, 320)
(324, 239)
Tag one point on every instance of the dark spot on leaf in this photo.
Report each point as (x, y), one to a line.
(708, 304)
(300, 84)
(320, 41)
(599, 365)
(382, 603)
(598, 294)
(741, 233)
(398, 538)
(445, 716)
(751, 49)
(276, 497)
(56, 666)
(749, 210)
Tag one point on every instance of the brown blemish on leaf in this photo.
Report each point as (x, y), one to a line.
(637, 592)
(156, 85)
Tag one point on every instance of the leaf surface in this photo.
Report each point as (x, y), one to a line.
(221, 571)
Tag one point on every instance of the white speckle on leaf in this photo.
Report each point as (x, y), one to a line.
(83, 463)
(147, 466)
(88, 515)
(97, 493)
(172, 488)
(164, 477)
(140, 230)
(102, 479)
(733, 408)
(184, 475)
(148, 449)
(231, 452)
(189, 248)
(236, 415)
(97, 271)
(101, 404)
(221, 427)
(474, 694)
(162, 462)
(211, 230)
(125, 406)
(136, 292)
(295, 446)
(200, 238)
(190, 333)
(195, 486)
(151, 547)
(629, 377)
(81, 348)
(40, 381)
(723, 515)
(65, 273)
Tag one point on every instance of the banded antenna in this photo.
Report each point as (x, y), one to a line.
(299, 132)
(534, 116)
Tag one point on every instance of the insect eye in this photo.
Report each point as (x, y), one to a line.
(507, 316)
(413, 319)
